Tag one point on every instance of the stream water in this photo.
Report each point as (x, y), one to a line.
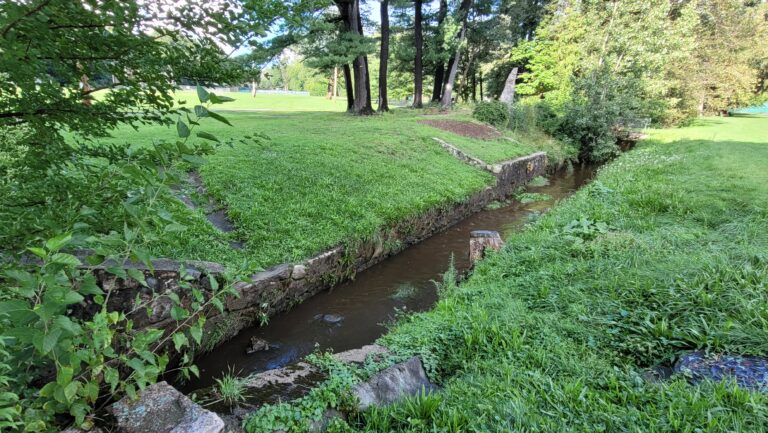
(403, 282)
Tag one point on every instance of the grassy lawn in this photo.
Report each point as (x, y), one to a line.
(321, 179)
(554, 333)
(270, 102)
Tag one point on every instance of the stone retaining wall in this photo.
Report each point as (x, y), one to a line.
(279, 288)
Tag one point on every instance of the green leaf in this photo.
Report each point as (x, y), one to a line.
(91, 391)
(180, 340)
(56, 243)
(18, 311)
(137, 275)
(178, 313)
(50, 340)
(195, 160)
(27, 282)
(39, 252)
(201, 111)
(48, 389)
(208, 136)
(65, 259)
(68, 325)
(219, 117)
(202, 94)
(73, 298)
(111, 377)
(216, 99)
(94, 259)
(64, 375)
(88, 286)
(70, 391)
(182, 129)
(196, 332)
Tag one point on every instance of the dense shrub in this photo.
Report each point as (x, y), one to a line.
(492, 112)
(589, 116)
(531, 115)
(598, 103)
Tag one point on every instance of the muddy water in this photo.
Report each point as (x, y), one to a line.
(403, 282)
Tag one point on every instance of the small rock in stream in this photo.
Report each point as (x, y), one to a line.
(257, 345)
(330, 318)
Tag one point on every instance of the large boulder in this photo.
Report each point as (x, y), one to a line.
(402, 380)
(160, 408)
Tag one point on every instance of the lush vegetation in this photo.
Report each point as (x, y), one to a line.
(68, 205)
(663, 253)
(94, 144)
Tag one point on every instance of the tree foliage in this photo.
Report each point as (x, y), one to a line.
(71, 72)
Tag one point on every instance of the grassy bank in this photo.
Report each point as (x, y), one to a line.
(664, 253)
(321, 178)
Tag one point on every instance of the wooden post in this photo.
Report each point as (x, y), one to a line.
(482, 240)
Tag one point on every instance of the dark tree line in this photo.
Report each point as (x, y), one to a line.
(437, 42)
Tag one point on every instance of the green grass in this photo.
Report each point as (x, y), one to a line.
(670, 254)
(268, 102)
(323, 178)
(231, 389)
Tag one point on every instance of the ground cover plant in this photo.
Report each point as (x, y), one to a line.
(663, 253)
(321, 179)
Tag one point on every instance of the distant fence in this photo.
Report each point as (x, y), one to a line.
(246, 89)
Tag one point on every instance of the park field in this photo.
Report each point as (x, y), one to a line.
(663, 253)
(322, 178)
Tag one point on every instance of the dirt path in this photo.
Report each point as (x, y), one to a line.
(466, 129)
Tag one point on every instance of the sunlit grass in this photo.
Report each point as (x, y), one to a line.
(322, 178)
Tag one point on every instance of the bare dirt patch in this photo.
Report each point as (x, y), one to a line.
(466, 129)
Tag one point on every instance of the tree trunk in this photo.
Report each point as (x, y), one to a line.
(363, 89)
(481, 86)
(464, 75)
(508, 94)
(437, 89)
(368, 103)
(418, 70)
(474, 86)
(253, 88)
(349, 10)
(453, 68)
(445, 75)
(329, 89)
(384, 57)
(85, 86)
(349, 89)
(335, 86)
